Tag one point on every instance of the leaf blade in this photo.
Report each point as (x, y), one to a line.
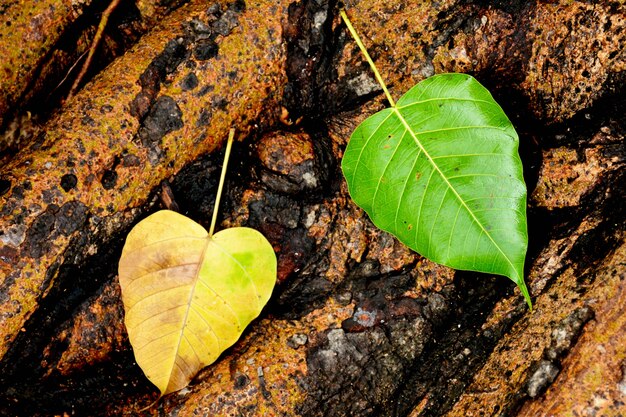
(184, 295)
(413, 187)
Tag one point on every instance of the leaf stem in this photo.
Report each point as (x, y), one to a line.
(229, 145)
(358, 41)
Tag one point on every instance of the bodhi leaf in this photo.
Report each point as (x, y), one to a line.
(440, 171)
(188, 295)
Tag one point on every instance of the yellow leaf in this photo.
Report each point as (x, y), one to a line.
(188, 296)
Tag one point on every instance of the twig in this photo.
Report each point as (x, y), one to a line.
(94, 45)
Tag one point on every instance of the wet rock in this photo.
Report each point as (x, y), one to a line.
(364, 367)
(575, 47)
(621, 386)
(38, 236)
(297, 340)
(306, 31)
(44, 276)
(93, 335)
(189, 82)
(164, 117)
(569, 175)
(363, 84)
(165, 63)
(226, 23)
(70, 217)
(589, 382)
(564, 336)
(205, 50)
(387, 333)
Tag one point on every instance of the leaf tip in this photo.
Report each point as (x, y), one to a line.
(524, 290)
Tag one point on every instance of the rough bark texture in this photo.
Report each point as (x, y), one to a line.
(43, 45)
(29, 30)
(358, 324)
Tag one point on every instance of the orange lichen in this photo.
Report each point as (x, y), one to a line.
(593, 374)
(280, 151)
(576, 45)
(567, 177)
(28, 30)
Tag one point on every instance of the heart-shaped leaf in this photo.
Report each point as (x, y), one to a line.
(188, 295)
(440, 171)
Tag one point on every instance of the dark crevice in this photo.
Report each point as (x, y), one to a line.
(606, 111)
(606, 203)
(307, 34)
(512, 7)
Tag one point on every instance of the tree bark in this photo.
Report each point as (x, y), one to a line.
(358, 324)
(43, 48)
(29, 30)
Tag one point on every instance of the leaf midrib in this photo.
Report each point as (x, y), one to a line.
(396, 110)
(189, 300)
(472, 100)
(209, 241)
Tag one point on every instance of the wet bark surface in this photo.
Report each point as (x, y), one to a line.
(358, 324)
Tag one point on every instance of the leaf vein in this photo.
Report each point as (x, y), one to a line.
(226, 303)
(157, 242)
(404, 193)
(471, 100)
(419, 211)
(389, 160)
(459, 198)
(358, 161)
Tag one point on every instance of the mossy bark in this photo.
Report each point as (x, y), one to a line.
(29, 30)
(43, 45)
(358, 324)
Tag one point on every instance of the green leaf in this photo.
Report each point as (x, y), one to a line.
(187, 295)
(441, 172)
